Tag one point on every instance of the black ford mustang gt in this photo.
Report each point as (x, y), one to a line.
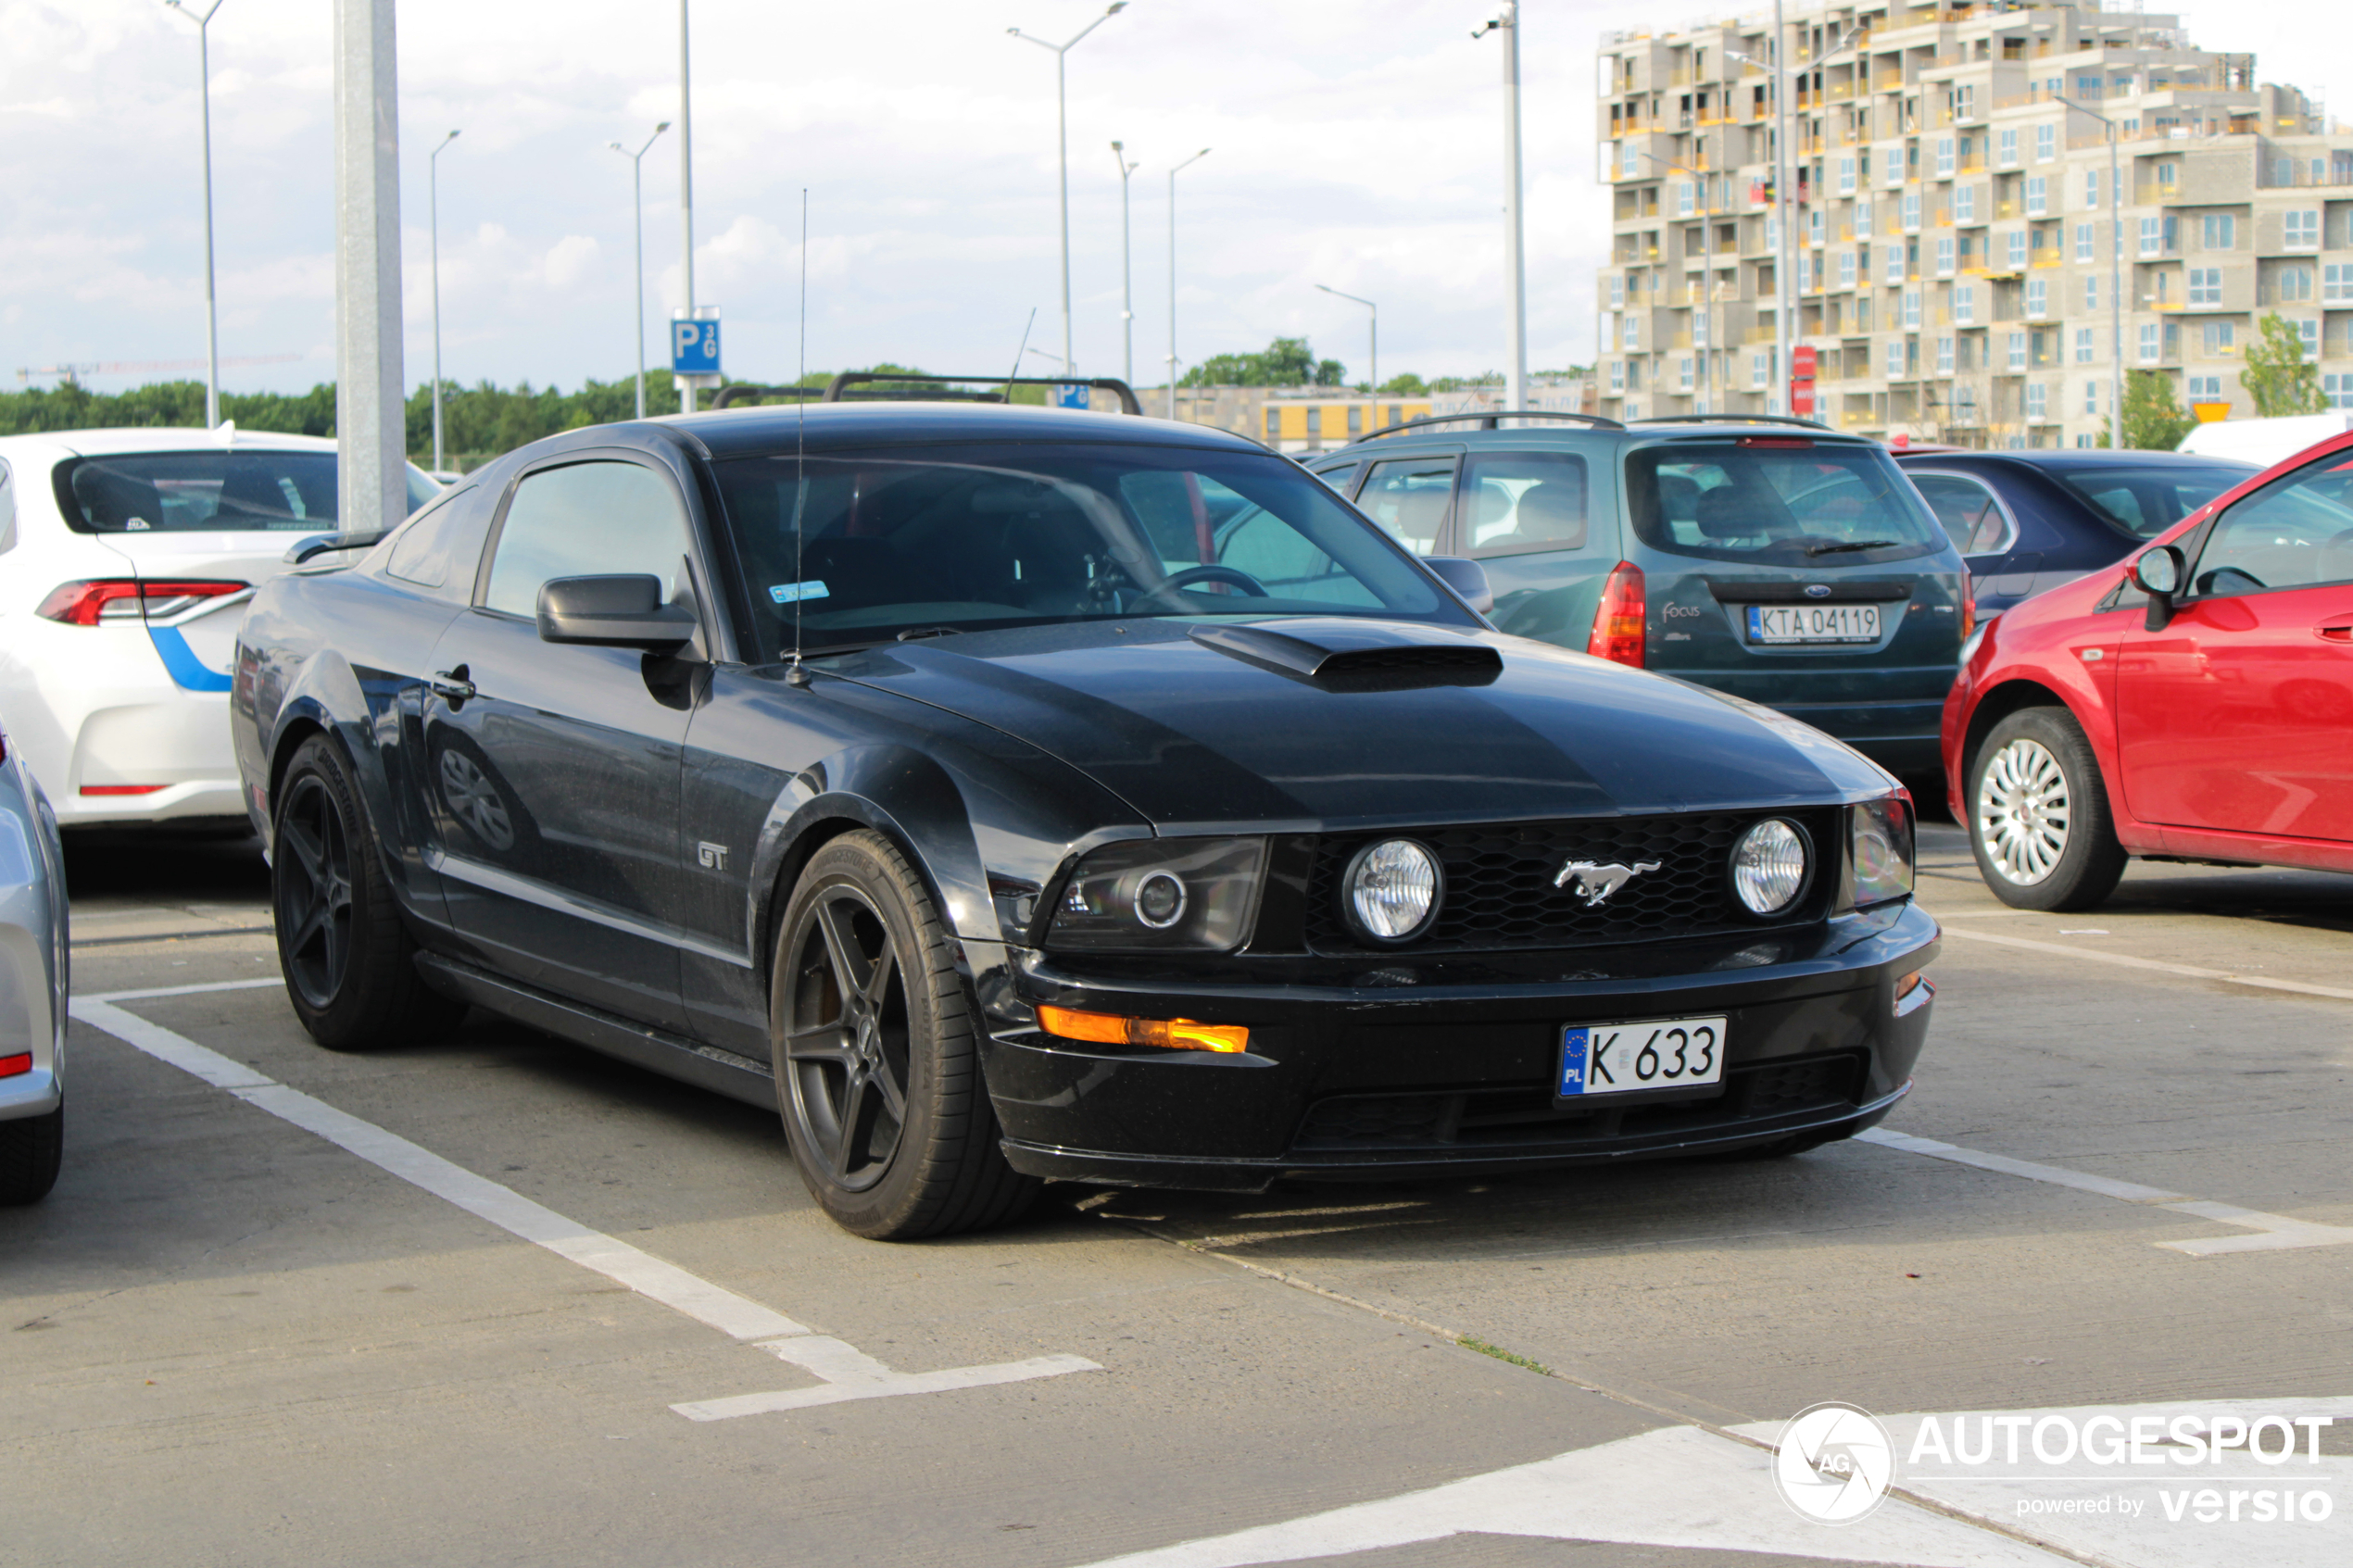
(1007, 794)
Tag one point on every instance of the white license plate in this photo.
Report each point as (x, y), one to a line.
(1617, 1059)
(1813, 623)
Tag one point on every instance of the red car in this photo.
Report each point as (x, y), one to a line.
(2194, 702)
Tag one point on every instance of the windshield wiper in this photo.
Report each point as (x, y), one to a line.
(1852, 545)
(913, 633)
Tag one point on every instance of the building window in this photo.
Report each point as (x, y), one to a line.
(1760, 367)
(1686, 199)
(2338, 390)
(2037, 401)
(2294, 284)
(2038, 296)
(1863, 219)
(1965, 305)
(1773, 235)
(2006, 145)
(2337, 284)
(1274, 422)
(2091, 293)
(2222, 232)
(1965, 405)
(2206, 389)
(2082, 346)
(2221, 337)
(1943, 256)
(1847, 268)
(1944, 157)
(2082, 241)
(1965, 205)
(2091, 398)
(1892, 168)
(2038, 196)
(1894, 256)
(2149, 340)
(1944, 357)
(1632, 166)
(1965, 102)
(1912, 310)
(2091, 187)
(1633, 408)
(1617, 379)
(1891, 356)
(1846, 176)
(2017, 353)
(2152, 237)
(2303, 231)
(1817, 226)
(2206, 285)
(2017, 251)
(2046, 143)
(2307, 337)
(1616, 292)
(1315, 424)
(1684, 374)
(1911, 212)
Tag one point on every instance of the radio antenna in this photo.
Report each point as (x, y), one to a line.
(1019, 352)
(797, 675)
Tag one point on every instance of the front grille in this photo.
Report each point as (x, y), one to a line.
(1480, 1118)
(1500, 889)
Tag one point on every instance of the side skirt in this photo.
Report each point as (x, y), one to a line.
(738, 1077)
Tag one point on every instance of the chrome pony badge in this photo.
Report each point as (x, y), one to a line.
(1594, 882)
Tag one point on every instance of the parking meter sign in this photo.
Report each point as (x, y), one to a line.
(694, 348)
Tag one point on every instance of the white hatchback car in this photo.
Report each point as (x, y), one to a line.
(126, 559)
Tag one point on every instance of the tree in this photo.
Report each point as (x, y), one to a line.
(1286, 361)
(1406, 386)
(2153, 421)
(2277, 376)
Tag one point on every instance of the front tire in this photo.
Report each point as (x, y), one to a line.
(350, 961)
(31, 1149)
(877, 1054)
(2039, 819)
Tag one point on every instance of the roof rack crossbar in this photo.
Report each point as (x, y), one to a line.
(1731, 420)
(1489, 420)
(897, 386)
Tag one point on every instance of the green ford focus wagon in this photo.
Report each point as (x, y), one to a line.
(1777, 560)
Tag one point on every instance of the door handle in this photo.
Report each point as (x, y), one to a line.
(452, 685)
(2342, 633)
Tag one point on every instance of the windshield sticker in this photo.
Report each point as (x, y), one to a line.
(790, 593)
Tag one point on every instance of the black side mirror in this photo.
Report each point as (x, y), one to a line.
(1467, 577)
(2158, 573)
(618, 613)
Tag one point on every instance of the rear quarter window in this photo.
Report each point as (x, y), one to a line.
(1789, 502)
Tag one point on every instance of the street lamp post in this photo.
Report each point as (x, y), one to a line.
(638, 218)
(1372, 345)
(211, 310)
(685, 193)
(1171, 275)
(2115, 279)
(1126, 275)
(432, 208)
(1062, 137)
(1514, 252)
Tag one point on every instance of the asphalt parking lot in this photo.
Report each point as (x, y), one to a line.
(498, 1299)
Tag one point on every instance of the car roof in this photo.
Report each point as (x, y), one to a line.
(2077, 457)
(171, 438)
(735, 431)
(1377, 442)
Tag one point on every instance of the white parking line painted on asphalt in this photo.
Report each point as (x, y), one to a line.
(1677, 1486)
(188, 990)
(848, 1374)
(2187, 971)
(2276, 1231)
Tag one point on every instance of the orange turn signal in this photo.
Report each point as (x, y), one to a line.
(1906, 984)
(1169, 1034)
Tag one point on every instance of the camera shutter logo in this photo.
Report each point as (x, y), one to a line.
(1833, 1464)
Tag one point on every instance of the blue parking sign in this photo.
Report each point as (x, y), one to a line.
(694, 348)
(1070, 396)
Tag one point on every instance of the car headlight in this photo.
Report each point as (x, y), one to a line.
(1768, 866)
(1880, 844)
(1390, 890)
(1151, 894)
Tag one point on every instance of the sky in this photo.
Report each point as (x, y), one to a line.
(1353, 142)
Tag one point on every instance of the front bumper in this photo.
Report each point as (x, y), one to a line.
(1366, 1068)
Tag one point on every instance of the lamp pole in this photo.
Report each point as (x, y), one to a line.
(1514, 252)
(2115, 279)
(1126, 275)
(685, 192)
(432, 208)
(1373, 343)
(211, 310)
(1061, 142)
(638, 218)
(1171, 275)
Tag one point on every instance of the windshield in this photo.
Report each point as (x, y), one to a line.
(956, 538)
(206, 492)
(1782, 500)
(2145, 502)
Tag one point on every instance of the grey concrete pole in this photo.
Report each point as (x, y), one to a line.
(211, 310)
(371, 416)
(686, 188)
(433, 205)
(1373, 340)
(638, 228)
(1784, 297)
(2115, 277)
(1126, 275)
(1061, 152)
(1171, 275)
(1514, 251)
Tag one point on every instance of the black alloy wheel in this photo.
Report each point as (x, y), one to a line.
(875, 1052)
(347, 957)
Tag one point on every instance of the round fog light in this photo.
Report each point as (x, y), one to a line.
(1768, 866)
(1159, 900)
(1392, 889)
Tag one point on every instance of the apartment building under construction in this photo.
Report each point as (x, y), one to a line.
(1956, 257)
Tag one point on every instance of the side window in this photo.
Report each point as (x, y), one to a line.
(585, 520)
(1339, 476)
(1973, 518)
(1408, 497)
(2295, 531)
(1524, 501)
(432, 551)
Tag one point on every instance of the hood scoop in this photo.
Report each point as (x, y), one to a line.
(1342, 653)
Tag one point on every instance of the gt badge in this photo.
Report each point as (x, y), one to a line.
(712, 857)
(1594, 882)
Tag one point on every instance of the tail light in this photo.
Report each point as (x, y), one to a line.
(1969, 603)
(1617, 620)
(102, 600)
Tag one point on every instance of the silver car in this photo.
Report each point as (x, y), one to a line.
(32, 985)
